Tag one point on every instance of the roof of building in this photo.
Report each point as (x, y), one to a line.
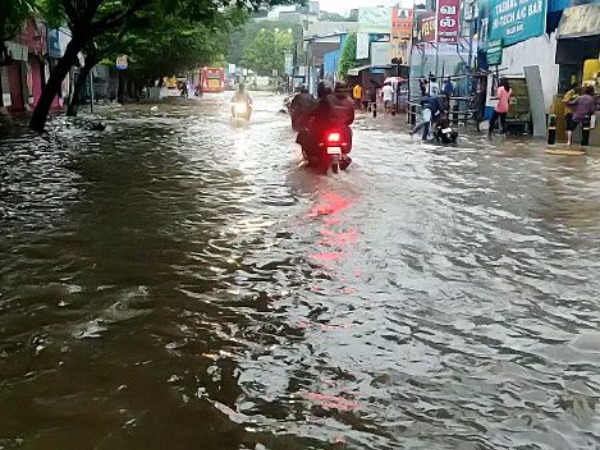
(321, 29)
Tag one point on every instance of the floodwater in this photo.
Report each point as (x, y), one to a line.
(177, 282)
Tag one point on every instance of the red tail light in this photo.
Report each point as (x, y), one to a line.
(334, 138)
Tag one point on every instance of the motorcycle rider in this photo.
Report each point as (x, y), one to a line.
(444, 132)
(242, 96)
(347, 111)
(329, 113)
(344, 102)
(301, 108)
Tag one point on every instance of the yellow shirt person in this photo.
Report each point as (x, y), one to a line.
(357, 92)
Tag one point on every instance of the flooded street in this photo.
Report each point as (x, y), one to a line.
(177, 282)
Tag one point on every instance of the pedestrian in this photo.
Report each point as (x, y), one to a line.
(429, 109)
(570, 95)
(585, 107)
(423, 86)
(387, 94)
(357, 93)
(372, 93)
(503, 94)
(448, 91)
(434, 87)
(478, 103)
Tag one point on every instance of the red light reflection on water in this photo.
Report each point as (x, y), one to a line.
(329, 204)
(332, 402)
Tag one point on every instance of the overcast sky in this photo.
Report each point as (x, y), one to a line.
(344, 6)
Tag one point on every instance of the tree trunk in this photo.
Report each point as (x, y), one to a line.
(122, 88)
(52, 88)
(84, 75)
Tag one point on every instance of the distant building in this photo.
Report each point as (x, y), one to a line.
(322, 29)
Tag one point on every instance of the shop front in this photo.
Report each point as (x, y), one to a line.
(577, 54)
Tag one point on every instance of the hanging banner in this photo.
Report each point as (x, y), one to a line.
(402, 20)
(517, 20)
(402, 25)
(380, 54)
(375, 20)
(289, 64)
(363, 42)
(447, 21)
(426, 29)
(494, 52)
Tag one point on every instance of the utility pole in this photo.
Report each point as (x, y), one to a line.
(91, 91)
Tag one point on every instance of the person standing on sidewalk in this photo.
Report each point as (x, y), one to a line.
(387, 94)
(571, 95)
(585, 107)
(501, 110)
(448, 92)
(357, 93)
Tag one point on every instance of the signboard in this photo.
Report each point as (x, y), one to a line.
(447, 20)
(494, 52)
(517, 20)
(380, 53)
(402, 20)
(375, 20)
(402, 24)
(289, 64)
(426, 29)
(53, 39)
(122, 63)
(363, 41)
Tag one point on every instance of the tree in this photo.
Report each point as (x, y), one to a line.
(348, 58)
(13, 14)
(90, 19)
(243, 36)
(266, 52)
(334, 17)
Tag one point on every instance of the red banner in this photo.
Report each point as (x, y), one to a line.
(447, 20)
(426, 30)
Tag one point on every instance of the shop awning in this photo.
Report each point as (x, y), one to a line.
(579, 21)
(357, 70)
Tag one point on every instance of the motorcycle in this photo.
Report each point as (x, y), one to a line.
(331, 152)
(241, 110)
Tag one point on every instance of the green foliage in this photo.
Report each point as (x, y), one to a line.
(12, 15)
(348, 58)
(266, 52)
(243, 36)
(334, 17)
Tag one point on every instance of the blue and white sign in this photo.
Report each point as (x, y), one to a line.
(517, 20)
(122, 63)
(57, 39)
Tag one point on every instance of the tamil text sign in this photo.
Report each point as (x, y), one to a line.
(517, 20)
(447, 20)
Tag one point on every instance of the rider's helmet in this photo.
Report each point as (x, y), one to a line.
(341, 88)
(323, 89)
